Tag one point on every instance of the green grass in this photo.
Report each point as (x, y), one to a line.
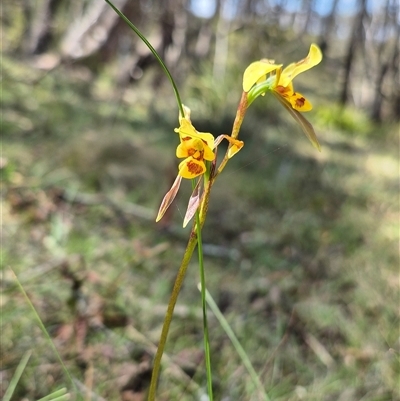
(301, 247)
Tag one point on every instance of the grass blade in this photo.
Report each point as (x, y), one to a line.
(17, 375)
(41, 325)
(238, 347)
(59, 395)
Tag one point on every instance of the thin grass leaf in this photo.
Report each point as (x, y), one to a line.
(169, 198)
(17, 375)
(59, 395)
(304, 124)
(62, 398)
(41, 325)
(238, 347)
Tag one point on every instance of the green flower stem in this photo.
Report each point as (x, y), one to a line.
(153, 50)
(204, 307)
(200, 220)
(194, 235)
(170, 311)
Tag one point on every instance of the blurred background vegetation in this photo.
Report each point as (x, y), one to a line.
(301, 247)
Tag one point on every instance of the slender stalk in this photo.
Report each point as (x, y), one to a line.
(200, 220)
(204, 307)
(170, 311)
(240, 113)
(153, 50)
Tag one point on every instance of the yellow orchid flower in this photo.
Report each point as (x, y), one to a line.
(264, 75)
(195, 152)
(281, 81)
(284, 86)
(195, 147)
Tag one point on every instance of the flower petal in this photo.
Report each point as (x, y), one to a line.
(181, 151)
(304, 124)
(193, 205)
(191, 147)
(191, 168)
(208, 154)
(299, 102)
(313, 58)
(169, 198)
(257, 70)
(235, 144)
(186, 129)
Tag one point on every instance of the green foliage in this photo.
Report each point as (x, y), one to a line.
(349, 120)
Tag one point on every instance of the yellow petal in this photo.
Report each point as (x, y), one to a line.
(313, 58)
(181, 151)
(191, 168)
(236, 146)
(285, 90)
(186, 129)
(257, 70)
(303, 122)
(208, 154)
(299, 102)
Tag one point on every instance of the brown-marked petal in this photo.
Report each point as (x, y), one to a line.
(236, 145)
(191, 168)
(187, 129)
(299, 102)
(304, 124)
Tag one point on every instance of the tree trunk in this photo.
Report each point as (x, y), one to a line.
(41, 31)
(383, 68)
(356, 40)
(308, 8)
(221, 45)
(329, 24)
